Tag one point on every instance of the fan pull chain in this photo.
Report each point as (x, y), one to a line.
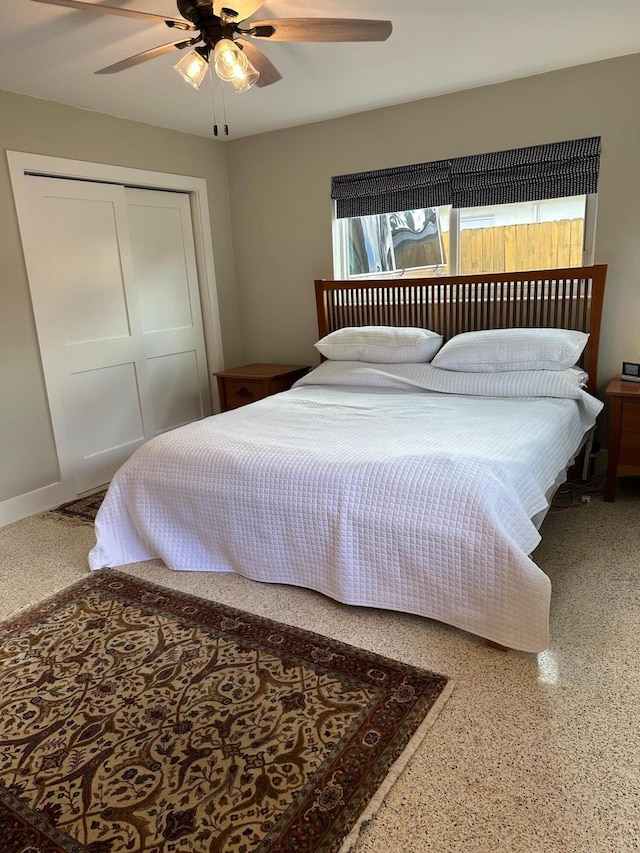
(213, 103)
(224, 113)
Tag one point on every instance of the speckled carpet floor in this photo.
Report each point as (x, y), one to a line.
(532, 754)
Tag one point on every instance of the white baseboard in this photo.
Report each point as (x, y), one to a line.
(32, 502)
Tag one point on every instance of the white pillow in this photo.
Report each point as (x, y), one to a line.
(500, 350)
(380, 344)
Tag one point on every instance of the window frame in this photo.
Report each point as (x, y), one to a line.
(340, 247)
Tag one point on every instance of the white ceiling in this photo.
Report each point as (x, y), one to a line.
(437, 46)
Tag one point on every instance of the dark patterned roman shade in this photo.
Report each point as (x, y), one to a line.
(503, 177)
(389, 190)
(526, 174)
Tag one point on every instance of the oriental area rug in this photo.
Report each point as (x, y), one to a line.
(81, 509)
(135, 718)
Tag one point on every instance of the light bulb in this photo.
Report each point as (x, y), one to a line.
(232, 66)
(241, 84)
(192, 68)
(229, 61)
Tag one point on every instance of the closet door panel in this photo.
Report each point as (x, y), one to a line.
(167, 284)
(175, 390)
(160, 261)
(116, 299)
(89, 328)
(88, 269)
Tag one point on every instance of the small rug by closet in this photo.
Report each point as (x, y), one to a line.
(81, 509)
(138, 718)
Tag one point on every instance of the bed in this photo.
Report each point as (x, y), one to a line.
(403, 486)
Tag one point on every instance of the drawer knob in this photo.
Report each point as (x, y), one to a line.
(244, 392)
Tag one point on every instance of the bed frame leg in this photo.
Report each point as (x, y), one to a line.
(588, 448)
(497, 646)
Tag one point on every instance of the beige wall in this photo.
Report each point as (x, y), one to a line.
(27, 457)
(280, 183)
(281, 214)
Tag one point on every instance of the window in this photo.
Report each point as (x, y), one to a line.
(388, 242)
(544, 234)
(522, 209)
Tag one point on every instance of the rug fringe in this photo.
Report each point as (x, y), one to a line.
(396, 771)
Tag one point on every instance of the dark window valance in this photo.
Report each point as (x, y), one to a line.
(526, 174)
(504, 177)
(390, 190)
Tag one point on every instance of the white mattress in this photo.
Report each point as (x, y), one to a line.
(366, 484)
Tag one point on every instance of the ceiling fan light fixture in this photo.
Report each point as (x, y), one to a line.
(232, 66)
(241, 84)
(193, 67)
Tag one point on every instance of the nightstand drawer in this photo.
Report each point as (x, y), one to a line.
(239, 392)
(630, 422)
(629, 452)
(250, 382)
(624, 433)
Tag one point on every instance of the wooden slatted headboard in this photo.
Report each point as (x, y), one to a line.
(560, 298)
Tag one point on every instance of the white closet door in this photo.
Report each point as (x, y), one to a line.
(112, 374)
(166, 281)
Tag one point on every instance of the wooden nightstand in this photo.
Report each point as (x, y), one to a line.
(624, 433)
(241, 385)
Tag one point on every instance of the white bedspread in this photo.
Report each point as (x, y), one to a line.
(372, 487)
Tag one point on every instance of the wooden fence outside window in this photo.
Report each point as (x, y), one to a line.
(509, 248)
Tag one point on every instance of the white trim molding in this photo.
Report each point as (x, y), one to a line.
(33, 502)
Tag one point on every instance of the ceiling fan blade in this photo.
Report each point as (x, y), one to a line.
(116, 10)
(142, 57)
(323, 29)
(244, 8)
(268, 72)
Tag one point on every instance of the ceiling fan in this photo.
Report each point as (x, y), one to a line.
(218, 36)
